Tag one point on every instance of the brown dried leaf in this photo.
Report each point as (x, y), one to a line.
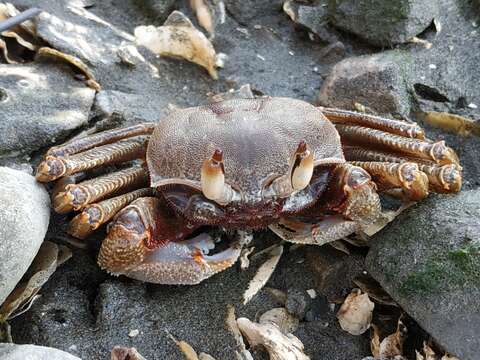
(355, 314)
(451, 122)
(72, 60)
(391, 346)
(204, 15)
(263, 274)
(186, 349)
(286, 322)
(179, 38)
(428, 354)
(384, 219)
(280, 346)
(241, 352)
(125, 353)
(43, 266)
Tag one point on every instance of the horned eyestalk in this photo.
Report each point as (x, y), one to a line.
(299, 176)
(302, 169)
(212, 179)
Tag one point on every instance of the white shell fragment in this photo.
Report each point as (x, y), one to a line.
(263, 274)
(179, 38)
(280, 346)
(355, 314)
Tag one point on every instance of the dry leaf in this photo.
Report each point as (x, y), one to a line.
(204, 15)
(391, 346)
(452, 123)
(186, 349)
(280, 346)
(43, 266)
(355, 314)
(203, 356)
(179, 38)
(263, 274)
(384, 219)
(429, 354)
(125, 353)
(72, 60)
(241, 352)
(286, 322)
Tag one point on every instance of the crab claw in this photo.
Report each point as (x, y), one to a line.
(135, 247)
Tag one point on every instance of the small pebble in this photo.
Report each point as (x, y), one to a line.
(133, 333)
(472, 106)
(291, 53)
(260, 57)
(258, 27)
(432, 66)
(312, 293)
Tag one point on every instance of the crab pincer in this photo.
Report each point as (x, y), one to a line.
(145, 244)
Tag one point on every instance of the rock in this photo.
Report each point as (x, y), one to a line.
(376, 81)
(298, 303)
(333, 271)
(314, 17)
(246, 11)
(24, 217)
(32, 352)
(428, 261)
(42, 103)
(130, 108)
(383, 23)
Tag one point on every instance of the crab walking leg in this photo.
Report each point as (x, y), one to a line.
(102, 138)
(352, 195)
(95, 215)
(437, 152)
(441, 178)
(398, 127)
(77, 196)
(53, 167)
(331, 228)
(146, 242)
(406, 176)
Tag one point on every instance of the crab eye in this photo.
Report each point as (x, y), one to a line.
(302, 169)
(212, 176)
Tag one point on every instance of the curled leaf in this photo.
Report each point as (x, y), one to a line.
(204, 15)
(179, 38)
(72, 60)
(280, 346)
(451, 122)
(241, 352)
(355, 314)
(125, 353)
(391, 346)
(263, 274)
(43, 266)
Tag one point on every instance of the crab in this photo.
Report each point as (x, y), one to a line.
(311, 174)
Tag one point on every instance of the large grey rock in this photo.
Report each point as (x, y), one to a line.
(41, 103)
(428, 260)
(383, 22)
(32, 352)
(377, 81)
(24, 216)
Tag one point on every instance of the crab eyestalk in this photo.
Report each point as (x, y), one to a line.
(299, 176)
(302, 169)
(212, 178)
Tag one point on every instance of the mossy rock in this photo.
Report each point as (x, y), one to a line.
(428, 260)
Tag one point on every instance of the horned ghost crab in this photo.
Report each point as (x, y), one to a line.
(310, 174)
